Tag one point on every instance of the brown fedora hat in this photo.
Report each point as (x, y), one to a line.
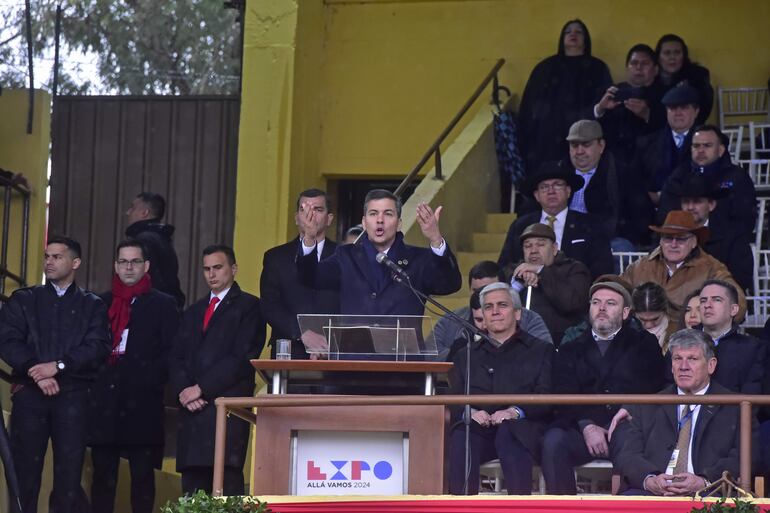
(680, 222)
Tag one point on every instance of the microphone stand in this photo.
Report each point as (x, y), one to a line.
(471, 331)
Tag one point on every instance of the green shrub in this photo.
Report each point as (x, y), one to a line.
(721, 506)
(202, 502)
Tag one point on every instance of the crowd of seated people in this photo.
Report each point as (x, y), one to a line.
(623, 166)
(610, 165)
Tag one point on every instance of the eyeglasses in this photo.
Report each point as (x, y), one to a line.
(668, 239)
(558, 187)
(136, 262)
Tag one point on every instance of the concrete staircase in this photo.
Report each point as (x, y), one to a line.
(486, 245)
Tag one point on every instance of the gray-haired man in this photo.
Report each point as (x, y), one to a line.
(679, 449)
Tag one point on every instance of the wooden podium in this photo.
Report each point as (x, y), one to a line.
(422, 425)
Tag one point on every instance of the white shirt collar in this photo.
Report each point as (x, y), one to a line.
(221, 295)
(60, 291)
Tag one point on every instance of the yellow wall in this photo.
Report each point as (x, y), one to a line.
(395, 72)
(357, 88)
(27, 154)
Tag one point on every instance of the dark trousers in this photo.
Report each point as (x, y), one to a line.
(563, 450)
(487, 444)
(201, 478)
(34, 419)
(142, 461)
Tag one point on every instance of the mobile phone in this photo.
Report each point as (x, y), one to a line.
(628, 92)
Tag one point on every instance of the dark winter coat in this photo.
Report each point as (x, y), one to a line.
(738, 210)
(522, 365)
(219, 362)
(561, 297)
(164, 265)
(37, 326)
(633, 364)
(560, 90)
(127, 398)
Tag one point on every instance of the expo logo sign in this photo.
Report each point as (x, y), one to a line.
(349, 470)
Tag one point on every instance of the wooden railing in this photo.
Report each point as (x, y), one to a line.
(435, 148)
(242, 407)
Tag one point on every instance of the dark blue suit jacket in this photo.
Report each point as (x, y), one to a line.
(363, 292)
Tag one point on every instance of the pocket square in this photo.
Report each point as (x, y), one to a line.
(575, 241)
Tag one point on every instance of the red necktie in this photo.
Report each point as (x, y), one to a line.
(210, 312)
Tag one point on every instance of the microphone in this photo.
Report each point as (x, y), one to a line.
(398, 271)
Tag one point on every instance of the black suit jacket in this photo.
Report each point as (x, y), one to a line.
(733, 249)
(602, 195)
(217, 361)
(126, 401)
(657, 156)
(284, 296)
(652, 435)
(633, 364)
(584, 239)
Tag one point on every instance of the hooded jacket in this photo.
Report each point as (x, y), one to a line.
(164, 265)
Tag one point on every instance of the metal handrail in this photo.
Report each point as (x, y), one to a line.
(435, 148)
(241, 406)
(21, 279)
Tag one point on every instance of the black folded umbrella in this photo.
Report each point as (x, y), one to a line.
(5, 450)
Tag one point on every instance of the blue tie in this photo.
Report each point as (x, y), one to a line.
(679, 140)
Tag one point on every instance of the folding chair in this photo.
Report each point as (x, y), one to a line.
(759, 172)
(759, 140)
(735, 141)
(625, 258)
(737, 106)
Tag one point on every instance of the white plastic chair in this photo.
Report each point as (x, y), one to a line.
(626, 258)
(735, 141)
(758, 312)
(759, 172)
(759, 140)
(737, 106)
(762, 221)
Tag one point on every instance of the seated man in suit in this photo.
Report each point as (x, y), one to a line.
(663, 150)
(679, 449)
(368, 288)
(709, 158)
(511, 362)
(559, 284)
(447, 331)
(283, 296)
(580, 236)
(611, 358)
(679, 264)
(600, 193)
(730, 247)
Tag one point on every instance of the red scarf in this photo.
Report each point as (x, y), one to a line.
(120, 309)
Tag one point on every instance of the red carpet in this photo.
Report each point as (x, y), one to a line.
(444, 504)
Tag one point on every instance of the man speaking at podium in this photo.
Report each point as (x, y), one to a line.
(366, 283)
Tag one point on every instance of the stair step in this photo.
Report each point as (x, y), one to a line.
(488, 242)
(466, 259)
(499, 223)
